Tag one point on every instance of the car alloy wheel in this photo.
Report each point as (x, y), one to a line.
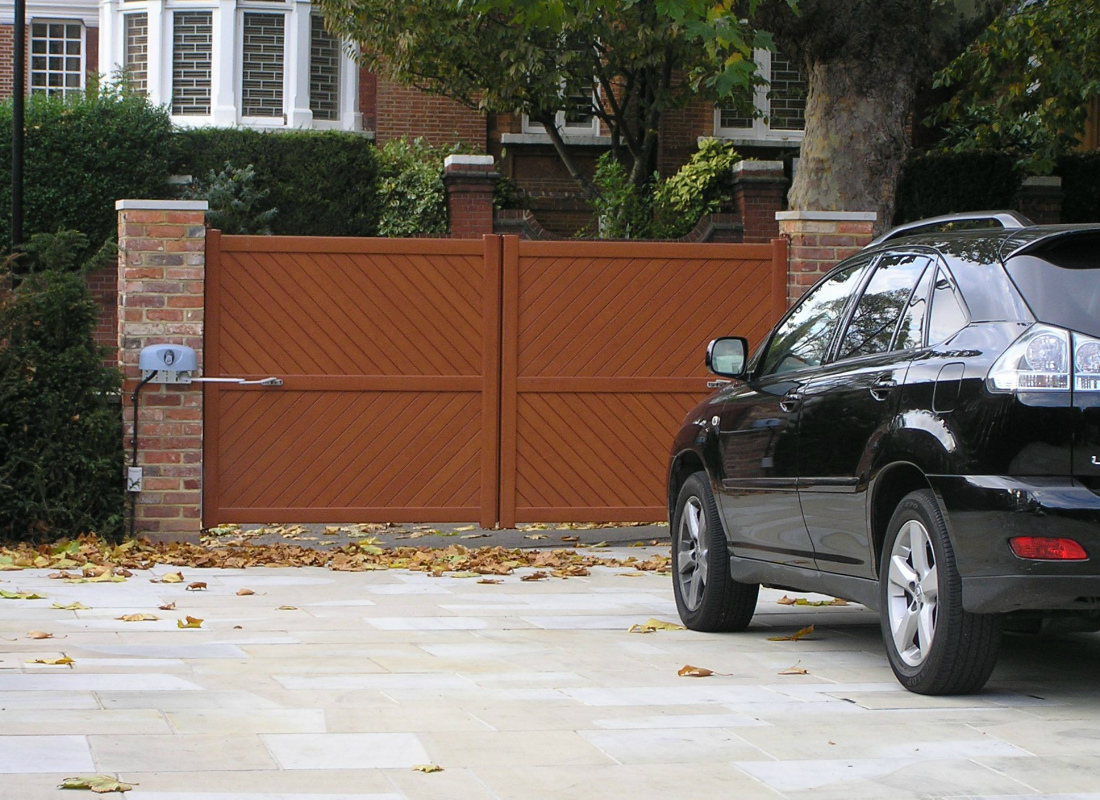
(693, 552)
(913, 593)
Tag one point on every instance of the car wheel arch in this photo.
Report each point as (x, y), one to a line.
(890, 485)
(684, 465)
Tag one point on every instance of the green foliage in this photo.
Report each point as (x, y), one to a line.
(81, 155)
(544, 58)
(322, 183)
(665, 209)
(1023, 85)
(1080, 174)
(411, 198)
(236, 205)
(61, 459)
(944, 183)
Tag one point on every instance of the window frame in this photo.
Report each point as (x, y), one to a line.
(267, 8)
(65, 91)
(761, 130)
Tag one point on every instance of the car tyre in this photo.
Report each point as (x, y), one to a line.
(707, 596)
(935, 646)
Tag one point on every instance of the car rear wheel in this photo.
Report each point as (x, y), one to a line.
(935, 646)
(707, 596)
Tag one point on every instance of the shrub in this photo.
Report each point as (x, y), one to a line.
(61, 456)
(322, 183)
(81, 155)
(236, 205)
(944, 183)
(411, 197)
(1081, 183)
(623, 210)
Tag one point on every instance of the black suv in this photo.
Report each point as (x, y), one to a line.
(920, 433)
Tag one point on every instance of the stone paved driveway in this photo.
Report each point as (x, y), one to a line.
(335, 685)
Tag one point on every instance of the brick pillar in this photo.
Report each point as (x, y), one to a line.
(818, 240)
(760, 191)
(161, 285)
(1040, 199)
(469, 181)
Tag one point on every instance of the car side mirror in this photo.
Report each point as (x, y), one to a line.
(726, 356)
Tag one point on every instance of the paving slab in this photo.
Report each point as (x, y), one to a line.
(336, 685)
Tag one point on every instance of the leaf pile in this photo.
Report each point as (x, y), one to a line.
(90, 559)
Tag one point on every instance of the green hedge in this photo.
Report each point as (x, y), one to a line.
(81, 155)
(1080, 175)
(320, 183)
(944, 183)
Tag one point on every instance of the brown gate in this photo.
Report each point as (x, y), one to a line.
(454, 380)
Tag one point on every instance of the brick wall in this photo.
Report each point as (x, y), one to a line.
(161, 281)
(818, 240)
(403, 111)
(7, 55)
(103, 286)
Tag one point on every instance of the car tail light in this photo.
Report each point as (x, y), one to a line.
(1044, 548)
(1039, 361)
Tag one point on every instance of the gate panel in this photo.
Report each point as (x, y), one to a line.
(602, 356)
(389, 353)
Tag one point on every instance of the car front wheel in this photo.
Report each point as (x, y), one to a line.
(935, 646)
(707, 596)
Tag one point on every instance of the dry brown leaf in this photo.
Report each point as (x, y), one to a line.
(475, 536)
(795, 670)
(688, 671)
(535, 576)
(794, 637)
(70, 606)
(168, 606)
(428, 768)
(171, 577)
(786, 601)
(570, 538)
(490, 580)
(197, 586)
(39, 635)
(53, 662)
(244, 592)
(652, 625)
(138, 618)
(288, 608)
(536, 536)
(191, 622)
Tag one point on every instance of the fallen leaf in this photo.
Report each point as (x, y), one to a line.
(638, 544)
(795, 670)
(197, 586)
(464, 528)
(288, 608)
(688, 671)
(490, 580)
(138, 618)
(70, 607)
(570, 538)
(100, 784)
(53, 662)
(20, 595)
(597, 545)
(802, 601)
(244, 592)
(786, 601)
(475, 536)
(171, 577)
(794, 637)
(191, 622)
(534, 576)
(168, 606)
(536, 536)
(652, 625)
(39, 635)
(428, 768)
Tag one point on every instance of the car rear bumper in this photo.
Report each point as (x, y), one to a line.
(983, 512)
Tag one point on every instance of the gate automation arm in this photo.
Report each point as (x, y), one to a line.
(239, 381)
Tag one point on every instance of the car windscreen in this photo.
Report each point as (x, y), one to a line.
(1061, 284)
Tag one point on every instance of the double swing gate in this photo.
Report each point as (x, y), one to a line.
(435, 380)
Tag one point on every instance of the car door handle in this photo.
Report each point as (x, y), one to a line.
(882, 388)
(790, 401)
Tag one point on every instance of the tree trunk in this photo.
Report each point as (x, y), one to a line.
(856, 137)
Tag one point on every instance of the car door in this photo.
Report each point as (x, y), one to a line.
(758, 427)
(847, 407)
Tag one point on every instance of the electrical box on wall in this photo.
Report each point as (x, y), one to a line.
(168, 363)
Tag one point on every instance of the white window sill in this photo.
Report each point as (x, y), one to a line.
(741, 140)
(579, 139)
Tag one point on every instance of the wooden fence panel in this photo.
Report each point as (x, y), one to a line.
(602, 356)
(389, 353)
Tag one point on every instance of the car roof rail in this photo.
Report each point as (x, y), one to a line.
(1007, 220)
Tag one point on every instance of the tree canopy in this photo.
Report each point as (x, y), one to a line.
(1024, 84)
(626, 62)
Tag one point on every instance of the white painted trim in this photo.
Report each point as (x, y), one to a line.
(461, 160)
(568, 137)
(827, 216)
(161, 205)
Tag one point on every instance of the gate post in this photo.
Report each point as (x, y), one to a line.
(161, 286)
(818, 241)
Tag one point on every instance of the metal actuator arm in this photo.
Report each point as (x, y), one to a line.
(240, 381)
(174, 363)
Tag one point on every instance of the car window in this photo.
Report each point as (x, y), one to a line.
(871, 329)
(948, 315)
(911, 329)
(803, 338)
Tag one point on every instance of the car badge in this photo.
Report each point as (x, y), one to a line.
(1095, 462)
